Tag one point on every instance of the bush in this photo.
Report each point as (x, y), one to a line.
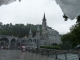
(50, 47)
(66, 46)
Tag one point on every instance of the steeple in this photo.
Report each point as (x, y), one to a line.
(38, 32)
(44, 27)
(38, 29)
(44, 23)
(30, 33)
(44, 18)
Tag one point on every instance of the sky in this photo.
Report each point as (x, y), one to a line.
(32, 11)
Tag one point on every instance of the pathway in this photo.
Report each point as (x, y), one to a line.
(19, 55)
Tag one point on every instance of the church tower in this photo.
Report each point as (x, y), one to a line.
(38, 36)
(44, 27)
(38, 32)
(44, 24)
(30, 34)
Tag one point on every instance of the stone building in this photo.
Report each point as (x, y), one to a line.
(48, 37)
(31, 42)
(8, 41)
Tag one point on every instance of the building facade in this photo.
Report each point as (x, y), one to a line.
(8, 41)
(48, 37)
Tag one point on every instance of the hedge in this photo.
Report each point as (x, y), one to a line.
(50, 47)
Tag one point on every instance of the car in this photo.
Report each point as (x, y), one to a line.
(77, 47)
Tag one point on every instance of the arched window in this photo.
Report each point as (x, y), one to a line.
(34, 40)
(23, 40)
(30, 40)
(4, 41)
(13, 43)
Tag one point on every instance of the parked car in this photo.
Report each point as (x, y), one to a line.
(77, 47)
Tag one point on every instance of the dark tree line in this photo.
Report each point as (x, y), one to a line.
(19, 30)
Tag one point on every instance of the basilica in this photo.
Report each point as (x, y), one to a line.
(48, 37)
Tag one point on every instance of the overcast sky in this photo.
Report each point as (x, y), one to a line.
(32, 11)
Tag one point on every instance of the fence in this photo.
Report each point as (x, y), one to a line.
(58, 54)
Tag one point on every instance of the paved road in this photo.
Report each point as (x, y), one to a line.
(19, 55)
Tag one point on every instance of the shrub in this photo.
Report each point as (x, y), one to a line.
(50, 47)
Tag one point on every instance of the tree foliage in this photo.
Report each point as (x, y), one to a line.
(19, 30)
(73, 37)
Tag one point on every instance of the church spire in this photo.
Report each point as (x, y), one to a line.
(38, 29)
(44, 18)
(38, 32)
(30, 33)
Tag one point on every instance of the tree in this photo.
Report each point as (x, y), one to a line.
(19, 30)
(73, 36)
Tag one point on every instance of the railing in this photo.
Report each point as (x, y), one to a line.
(58, 54)
(66, 55)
